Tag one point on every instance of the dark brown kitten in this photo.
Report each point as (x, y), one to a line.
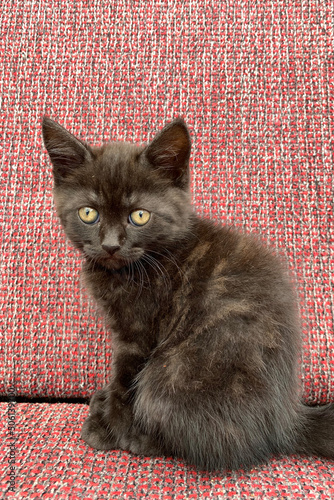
(205, 336)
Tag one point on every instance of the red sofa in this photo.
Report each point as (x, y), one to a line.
(254, 81)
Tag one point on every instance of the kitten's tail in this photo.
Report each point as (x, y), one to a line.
(317, 432)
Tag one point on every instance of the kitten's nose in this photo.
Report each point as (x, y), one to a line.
(111, 249)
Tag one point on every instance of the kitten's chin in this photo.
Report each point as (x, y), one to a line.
(111, 263)
(114, 264)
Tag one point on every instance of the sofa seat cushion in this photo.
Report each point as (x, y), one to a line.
(252, 80)
(51, 461)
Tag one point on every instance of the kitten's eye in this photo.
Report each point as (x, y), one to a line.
(139, 217)
(88, 215)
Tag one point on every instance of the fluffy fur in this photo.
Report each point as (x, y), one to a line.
(203, 320)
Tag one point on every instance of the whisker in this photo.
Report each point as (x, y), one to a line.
(147, 276)
(140, 280)
(159, 268)
(171, 259)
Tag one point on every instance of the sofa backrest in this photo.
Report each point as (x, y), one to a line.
(262, 159)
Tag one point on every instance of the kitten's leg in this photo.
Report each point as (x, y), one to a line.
(96, 431)
(110, 424)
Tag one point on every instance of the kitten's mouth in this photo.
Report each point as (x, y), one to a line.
(118, 261)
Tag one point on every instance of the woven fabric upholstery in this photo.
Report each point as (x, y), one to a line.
(254, 81)
(53, 463)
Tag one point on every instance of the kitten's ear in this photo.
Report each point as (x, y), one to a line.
(169, 152)
(66, 151)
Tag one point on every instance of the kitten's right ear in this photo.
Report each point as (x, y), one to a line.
(66, 151)
(169, 152)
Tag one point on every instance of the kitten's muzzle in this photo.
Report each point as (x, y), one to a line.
(111, 249)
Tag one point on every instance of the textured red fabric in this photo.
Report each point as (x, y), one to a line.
(52, 462)
(254, 80)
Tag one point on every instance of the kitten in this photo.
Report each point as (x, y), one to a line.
(204, 330)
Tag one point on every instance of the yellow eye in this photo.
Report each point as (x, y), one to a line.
(88, 215)
(140, 217)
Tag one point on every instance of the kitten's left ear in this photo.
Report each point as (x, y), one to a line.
(169, 152)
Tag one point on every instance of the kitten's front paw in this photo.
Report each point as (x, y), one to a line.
(96, 435)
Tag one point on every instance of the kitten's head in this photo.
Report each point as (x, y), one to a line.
(119, 201)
